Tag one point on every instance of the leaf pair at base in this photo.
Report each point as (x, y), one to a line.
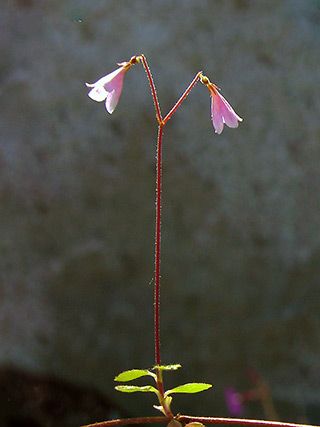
(184, 388)
(133, 374)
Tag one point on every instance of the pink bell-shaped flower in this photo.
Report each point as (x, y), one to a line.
(109, 88)
(221, 111)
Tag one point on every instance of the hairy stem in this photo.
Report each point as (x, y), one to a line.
(157, 252)
(239, 421)
(182, 98)
(152, 87)
(157, 273)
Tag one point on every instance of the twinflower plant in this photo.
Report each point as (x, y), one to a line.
(108, 89)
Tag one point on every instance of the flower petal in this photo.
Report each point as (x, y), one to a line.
(114, 89)
(112, 101)
(216, 116)
(115, 84)
(108, 88)
(98, 93)
(109, 77)
(230, 117)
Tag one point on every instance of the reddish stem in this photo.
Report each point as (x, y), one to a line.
(239, 421)
(188, 418)
(182, 98)
(157, 274)
(152, 87)
(157, 255)
(129, 421)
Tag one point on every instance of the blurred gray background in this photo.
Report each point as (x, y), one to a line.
(241, 240)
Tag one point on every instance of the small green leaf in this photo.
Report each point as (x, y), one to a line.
(189, 388)
(167, 367)
(133, 374)
(134, 389)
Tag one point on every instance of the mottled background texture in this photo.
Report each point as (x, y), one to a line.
(241, 211)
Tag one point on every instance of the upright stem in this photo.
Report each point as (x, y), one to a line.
(157, 253)
(157, 249)
(157, 271)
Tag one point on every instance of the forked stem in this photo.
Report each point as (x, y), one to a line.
(157, 251)
(157, 274)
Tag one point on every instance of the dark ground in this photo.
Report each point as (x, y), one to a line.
(28, 400)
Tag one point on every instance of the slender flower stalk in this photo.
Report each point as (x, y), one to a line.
(182, 98)
(157, 241)
(146, 67)
(157, 273)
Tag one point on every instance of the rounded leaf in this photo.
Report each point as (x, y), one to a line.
(133, 374)
(173, 367)
(189, 388)
(134, 389)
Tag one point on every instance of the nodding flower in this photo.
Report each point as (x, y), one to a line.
(221, 111)
(109, 87)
